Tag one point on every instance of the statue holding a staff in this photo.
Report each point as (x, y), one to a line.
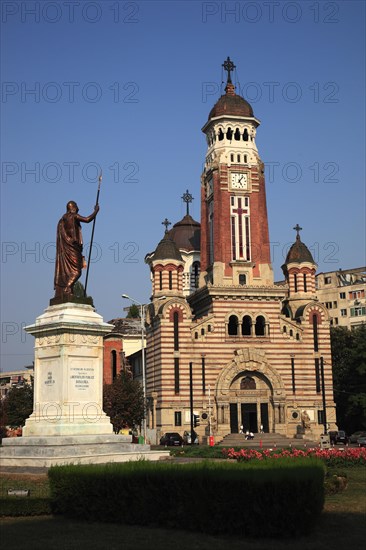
(69, 249)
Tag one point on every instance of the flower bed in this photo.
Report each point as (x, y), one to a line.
(332, 457)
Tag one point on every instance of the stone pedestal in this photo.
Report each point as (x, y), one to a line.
(68, 424)
(68, 373)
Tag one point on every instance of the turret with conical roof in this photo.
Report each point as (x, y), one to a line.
(299, 270)
(166, 265)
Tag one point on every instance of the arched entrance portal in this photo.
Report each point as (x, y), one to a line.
(250, 402)
(250, 393)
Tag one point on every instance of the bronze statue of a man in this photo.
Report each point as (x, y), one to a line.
(69, 249)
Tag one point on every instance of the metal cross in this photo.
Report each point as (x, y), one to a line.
(298, 229)
(166, 222)
(229, 66)
(187, 198)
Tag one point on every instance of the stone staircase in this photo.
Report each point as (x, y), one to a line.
(265, 441)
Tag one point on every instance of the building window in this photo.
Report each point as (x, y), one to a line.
(317, 375)
(342, 295)
(327, 280)
(246, 326)
(335, 305)
(315, 332)
(336, 320)
(170, 280)
(343, 313)
(356, 294)
(177, 418)
(245, 158)
(176, 330)
(248, 383)
(160, 280)
(232, 158)
(321, 417)
(260, 326)
(329, 305)
(195, 273)
(242, 279)
(202, 331)
(295, 281)
(196, 335)
(208, 328)
(238, 158)
(176, 375)
(293, 374)
(305, 287)
(358, 311)
(203, 375)
(114, 364)
(233, 325)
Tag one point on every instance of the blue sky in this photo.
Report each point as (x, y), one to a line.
(127, 86)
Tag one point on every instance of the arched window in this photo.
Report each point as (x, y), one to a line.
(315, 332)
(297, 336)
(176, 330)
(245, 135)
(229, 134)
(260, 326)
(195, 273)
(246, 326)
(114, 363)
(305, 285)
(233, 325)
(196, 335)
(295, 281)
(237, 135)
(247, 383)
(170, 280)
(284, 329)
(160, 280)
(221, 135)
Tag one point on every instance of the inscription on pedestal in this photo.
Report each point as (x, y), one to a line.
(82, 377)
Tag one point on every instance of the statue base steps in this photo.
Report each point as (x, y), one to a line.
(44, 452)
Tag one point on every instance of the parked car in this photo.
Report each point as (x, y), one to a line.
(187, 438)
(171, 439)
(354, 437)
(342, 437)
(362, 441)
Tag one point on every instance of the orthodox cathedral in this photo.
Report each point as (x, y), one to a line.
(222, 339)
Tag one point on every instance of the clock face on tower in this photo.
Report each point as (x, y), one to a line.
(239, 180)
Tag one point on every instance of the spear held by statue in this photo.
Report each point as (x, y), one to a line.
(92, 236)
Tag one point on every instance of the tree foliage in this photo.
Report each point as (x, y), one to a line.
(349, 376)
(18, 405)
(133, 312)
(123, 401)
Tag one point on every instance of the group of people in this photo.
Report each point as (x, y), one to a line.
(248, 434)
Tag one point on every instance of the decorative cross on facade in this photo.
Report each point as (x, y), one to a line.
(229, 66)
(166, 222)
(187, 198)
(297, 229)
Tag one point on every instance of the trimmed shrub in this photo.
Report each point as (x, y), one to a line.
(283, 498)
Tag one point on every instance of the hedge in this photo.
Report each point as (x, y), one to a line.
(263, 499)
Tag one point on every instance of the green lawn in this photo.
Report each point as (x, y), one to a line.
(343, 525)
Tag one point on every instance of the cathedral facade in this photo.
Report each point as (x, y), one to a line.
(224, 341)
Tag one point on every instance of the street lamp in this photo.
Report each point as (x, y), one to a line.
(142, 317)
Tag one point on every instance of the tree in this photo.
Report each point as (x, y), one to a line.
(18, 405)
(349, 376)
(133, 312)
(123, 401)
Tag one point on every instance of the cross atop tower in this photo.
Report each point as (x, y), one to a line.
(166, 222)
(187, 198)
(297, 229)
(229, 67)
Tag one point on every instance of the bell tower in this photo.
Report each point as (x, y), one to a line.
(235, 247)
